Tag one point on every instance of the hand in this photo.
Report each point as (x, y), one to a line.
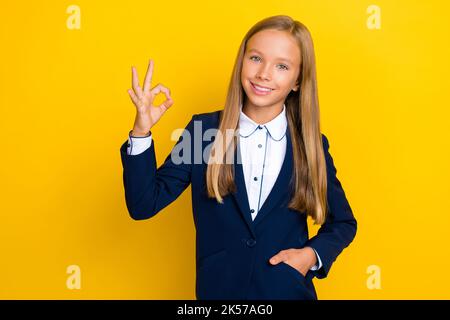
(301, 259)
(147, 114)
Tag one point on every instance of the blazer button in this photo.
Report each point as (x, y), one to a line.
(251, 242)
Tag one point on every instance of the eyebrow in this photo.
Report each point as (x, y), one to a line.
(280, 58)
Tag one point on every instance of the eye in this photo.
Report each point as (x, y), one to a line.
(283, 65)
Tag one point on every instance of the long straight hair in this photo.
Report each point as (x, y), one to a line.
(309, 179)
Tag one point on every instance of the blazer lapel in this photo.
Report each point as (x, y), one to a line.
(240, 195)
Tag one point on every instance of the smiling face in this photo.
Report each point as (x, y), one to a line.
(271, 60)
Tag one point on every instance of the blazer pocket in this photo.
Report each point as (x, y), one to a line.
(211, 259)
(297, 274)
(303, 283)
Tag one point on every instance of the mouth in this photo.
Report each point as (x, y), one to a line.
(260, 90)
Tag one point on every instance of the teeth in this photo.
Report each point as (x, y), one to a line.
(261, 89)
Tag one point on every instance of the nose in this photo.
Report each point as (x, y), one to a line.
(263, 72)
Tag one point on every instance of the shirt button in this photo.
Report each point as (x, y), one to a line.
(259, 145)
(252, 210)
(255, 178)
(259, 127)
(128, 144)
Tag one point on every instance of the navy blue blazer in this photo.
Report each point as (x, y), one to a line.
(232, 250)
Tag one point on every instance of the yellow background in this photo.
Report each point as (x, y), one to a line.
(65, 112)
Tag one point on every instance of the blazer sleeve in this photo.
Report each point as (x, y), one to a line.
(149, 189)
(339, 228)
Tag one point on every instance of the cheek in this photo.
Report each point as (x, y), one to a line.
(246, 70)
(285, 83)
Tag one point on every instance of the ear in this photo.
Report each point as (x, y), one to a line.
(296, 87)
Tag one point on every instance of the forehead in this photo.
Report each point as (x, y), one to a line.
(275, 44)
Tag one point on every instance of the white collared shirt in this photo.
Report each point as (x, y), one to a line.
(262, 148)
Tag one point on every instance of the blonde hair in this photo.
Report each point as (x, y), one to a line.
(309, 178)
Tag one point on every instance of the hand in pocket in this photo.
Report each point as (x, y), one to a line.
(300, 259)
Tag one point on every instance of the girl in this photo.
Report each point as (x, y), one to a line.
(251, 214)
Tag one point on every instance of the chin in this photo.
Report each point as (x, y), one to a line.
(259, 101)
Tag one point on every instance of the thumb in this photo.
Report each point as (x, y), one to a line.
(166, 105)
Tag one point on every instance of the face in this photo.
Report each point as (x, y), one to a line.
(271, 60)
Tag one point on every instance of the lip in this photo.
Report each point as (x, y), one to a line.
(260, 93)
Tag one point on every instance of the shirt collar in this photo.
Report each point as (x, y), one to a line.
(276, 127)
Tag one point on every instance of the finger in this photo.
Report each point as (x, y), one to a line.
(133, 96)
(168, 102)
(280, 256)
(148, 76)
(160, 88)
(165, 105)
(135, 81)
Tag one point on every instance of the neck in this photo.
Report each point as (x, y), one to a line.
(262, 115)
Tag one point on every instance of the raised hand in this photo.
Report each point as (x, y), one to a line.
(146, 113)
